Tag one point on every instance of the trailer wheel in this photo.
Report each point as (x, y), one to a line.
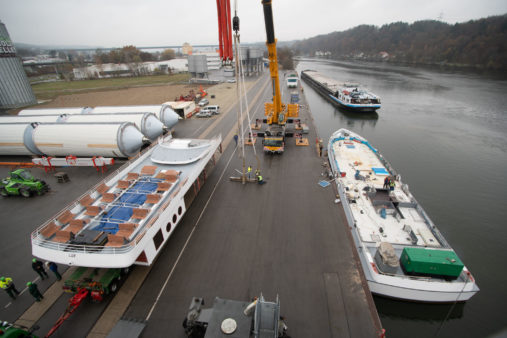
(113, 287)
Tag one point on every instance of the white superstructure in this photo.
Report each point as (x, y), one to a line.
(386, 221)
(127, 218)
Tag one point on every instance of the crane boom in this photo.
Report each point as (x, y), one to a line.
(273, 62)
(276, 112)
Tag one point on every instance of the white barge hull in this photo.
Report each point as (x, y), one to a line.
(368, 229)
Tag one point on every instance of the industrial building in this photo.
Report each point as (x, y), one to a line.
(251, 60)
(15, 90)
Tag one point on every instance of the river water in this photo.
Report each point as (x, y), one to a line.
(446, 134)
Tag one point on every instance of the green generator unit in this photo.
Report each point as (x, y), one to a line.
(430, 262)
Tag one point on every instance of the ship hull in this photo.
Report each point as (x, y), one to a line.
(328, 94)
(393, 285)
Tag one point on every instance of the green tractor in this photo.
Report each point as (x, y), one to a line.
(21, 182)
(8, 330)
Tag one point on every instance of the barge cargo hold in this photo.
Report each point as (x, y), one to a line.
(343, 95)
(402, 253)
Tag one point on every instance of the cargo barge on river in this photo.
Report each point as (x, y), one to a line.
(348, 96)
(128, 217)
(402, 253)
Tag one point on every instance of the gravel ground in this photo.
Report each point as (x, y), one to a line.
(146, 95)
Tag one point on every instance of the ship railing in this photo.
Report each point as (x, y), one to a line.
(85, 249)
(88, 249)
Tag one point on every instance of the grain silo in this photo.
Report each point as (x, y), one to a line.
(15, 90)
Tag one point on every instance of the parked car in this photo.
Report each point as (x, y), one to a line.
(204, 113)
(231, 81)
(215, 110)
(203, 102)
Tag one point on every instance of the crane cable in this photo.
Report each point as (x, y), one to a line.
(242, 94)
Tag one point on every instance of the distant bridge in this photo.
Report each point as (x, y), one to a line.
(148, 47)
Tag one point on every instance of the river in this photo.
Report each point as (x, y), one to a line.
(445, 132)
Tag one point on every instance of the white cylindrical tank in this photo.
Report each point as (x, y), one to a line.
(164, 113)
(55, 111)
(168, 116)
(12, 139)
(87, 139)
(147, 123)
(29, 118)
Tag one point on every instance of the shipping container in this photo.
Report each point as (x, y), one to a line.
(431, 262)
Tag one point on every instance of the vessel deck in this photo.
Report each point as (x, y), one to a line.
(401, 210)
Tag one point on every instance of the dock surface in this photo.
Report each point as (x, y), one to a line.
(286, 237)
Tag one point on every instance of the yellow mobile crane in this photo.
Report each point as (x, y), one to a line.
(277, 113)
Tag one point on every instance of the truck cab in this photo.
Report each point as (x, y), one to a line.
(274, 140)
(292, 82)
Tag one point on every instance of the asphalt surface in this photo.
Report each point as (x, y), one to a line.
(286, 237)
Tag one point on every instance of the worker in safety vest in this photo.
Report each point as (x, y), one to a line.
(34, 291)
(387, 180)
(8, 285)
(38, 267)
(260, 180)
(392, 184)
(249, 171)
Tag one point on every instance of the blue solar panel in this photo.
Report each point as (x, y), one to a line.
(380, 171)
(132, 198)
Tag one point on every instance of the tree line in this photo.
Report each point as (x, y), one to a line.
(131, 54)
(476, 43)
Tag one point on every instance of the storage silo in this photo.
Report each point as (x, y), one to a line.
(87, 139)
(55, 111)
(15, 90)
(197, 65)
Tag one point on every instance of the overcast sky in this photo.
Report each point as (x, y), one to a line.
(115, 23)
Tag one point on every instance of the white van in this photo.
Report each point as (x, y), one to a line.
(215, 109)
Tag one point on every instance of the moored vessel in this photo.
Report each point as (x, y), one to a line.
(348, 96)
(402, 253)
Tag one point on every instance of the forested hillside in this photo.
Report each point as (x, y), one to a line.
(479, 43)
